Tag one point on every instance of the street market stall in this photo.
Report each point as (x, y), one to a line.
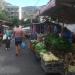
(61, 11)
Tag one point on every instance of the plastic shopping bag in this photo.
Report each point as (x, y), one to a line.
(23, 45)
(4, 37)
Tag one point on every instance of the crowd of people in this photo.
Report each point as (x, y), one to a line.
(7, 35)
(18, 34)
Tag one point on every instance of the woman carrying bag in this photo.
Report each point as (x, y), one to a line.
(8, 38)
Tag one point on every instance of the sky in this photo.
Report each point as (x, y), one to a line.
(22, 3)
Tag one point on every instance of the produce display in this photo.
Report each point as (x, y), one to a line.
(71, 68)
(33, 43)
(55, 42)
(48, 57)
(52, 50)
(49, 62)
(49, 39)
(40, 47)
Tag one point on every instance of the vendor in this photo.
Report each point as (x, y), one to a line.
(67, 34)
(33, 36)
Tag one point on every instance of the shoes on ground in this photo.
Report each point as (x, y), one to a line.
(17, 54)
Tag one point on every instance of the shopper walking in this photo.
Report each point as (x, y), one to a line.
(18, 34)
(8, 38)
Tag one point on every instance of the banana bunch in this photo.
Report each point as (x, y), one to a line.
(49, 57)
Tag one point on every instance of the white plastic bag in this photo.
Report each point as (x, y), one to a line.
(9, 38)
(4, 37)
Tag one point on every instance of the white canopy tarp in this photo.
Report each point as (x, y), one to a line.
(26, 28)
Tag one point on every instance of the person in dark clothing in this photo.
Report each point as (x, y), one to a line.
(33, 36)
(67, 34)
(8, 38)
(1, 32)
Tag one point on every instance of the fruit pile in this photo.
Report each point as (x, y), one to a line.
(48, 57)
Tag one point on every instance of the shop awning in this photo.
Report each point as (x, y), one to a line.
(55, 5)
(43, 9)
(59, 8)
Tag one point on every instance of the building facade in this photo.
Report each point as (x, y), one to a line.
(28, 12)
(2, 5)
(13, 11)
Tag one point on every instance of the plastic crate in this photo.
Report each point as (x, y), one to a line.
(53, 67)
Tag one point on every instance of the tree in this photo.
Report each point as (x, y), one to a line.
(3, 15)
(15, 21)
(26, 22)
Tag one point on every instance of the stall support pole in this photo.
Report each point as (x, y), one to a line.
(62, 29)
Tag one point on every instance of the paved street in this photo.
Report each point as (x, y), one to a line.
(22, 65)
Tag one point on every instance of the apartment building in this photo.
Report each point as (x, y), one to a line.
(28, 12)
(13, 11)
(2, 4)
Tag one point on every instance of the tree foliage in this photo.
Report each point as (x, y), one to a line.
(26, 23)
(3, 15)
(15, 21)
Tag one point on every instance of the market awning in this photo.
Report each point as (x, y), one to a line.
(53, 5)
(64, 9)
(43, 9)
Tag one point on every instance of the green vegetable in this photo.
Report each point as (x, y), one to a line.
(57, 43)
(39, 46)
(34, 42)
(42, 50)
(61, 44)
